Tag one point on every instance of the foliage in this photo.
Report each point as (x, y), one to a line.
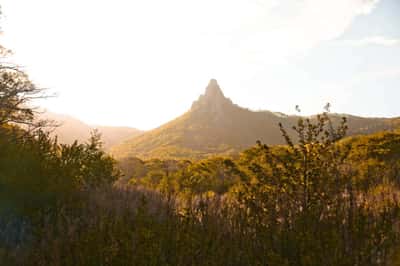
(318, 200)
(16, 91)
(308, 199)
(310, 203)
(35, 170)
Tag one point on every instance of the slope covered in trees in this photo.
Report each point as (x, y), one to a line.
(214, 125)
(318, 199)
(323, 201)
(370, 155)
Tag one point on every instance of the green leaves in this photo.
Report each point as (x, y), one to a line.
(36, 171)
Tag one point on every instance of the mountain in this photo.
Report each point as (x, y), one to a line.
(215, 125)
(70, 129)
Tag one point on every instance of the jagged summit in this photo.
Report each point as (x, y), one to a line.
(213, 90)
(212, 99)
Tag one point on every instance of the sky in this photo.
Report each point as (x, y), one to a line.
(141, 63)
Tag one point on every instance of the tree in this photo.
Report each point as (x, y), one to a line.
(305, 200)
(16, 93)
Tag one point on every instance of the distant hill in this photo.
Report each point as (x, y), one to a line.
(215, 125)
(70, 129)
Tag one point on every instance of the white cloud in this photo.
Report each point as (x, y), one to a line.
(373, 40)
(366, 6)
(382, 74)
(313, 22)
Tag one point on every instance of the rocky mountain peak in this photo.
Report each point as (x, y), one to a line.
(213, 98)
(213, 90)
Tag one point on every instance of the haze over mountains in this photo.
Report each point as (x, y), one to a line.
(215, 125)
(70, 129)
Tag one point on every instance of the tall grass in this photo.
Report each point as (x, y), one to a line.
(141, 227)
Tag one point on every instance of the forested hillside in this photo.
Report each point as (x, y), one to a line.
(216, 126)
(220, 185)
(322, 200)
(317, 199)
(370, 155)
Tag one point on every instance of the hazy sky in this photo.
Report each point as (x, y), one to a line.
(141, 63)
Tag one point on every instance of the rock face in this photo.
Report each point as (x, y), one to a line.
(213, 102)
(213, 91)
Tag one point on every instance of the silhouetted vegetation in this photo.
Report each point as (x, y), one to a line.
(320, 199)
(323, 201)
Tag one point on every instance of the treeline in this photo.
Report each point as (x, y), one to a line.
(374, 158)
(325, 200)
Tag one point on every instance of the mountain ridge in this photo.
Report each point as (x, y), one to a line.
(215, 125)
(68, 129)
